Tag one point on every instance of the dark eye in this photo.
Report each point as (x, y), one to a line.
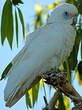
(66, 14)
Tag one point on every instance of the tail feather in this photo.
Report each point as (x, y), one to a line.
(19, 91)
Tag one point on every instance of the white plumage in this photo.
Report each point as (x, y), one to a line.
(46, 48)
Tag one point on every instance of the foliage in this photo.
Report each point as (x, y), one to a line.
(61, 104)
(7, 27)
(71, 63)
(7, 23)
(6, 71)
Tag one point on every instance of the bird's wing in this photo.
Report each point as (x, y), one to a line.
(29, 62)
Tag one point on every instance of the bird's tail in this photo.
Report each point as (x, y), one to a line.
(19, 91)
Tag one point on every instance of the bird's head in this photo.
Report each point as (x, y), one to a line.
(66, 13)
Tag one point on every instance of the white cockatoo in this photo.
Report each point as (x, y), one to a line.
(46, 48)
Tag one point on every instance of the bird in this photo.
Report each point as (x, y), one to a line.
(44, 49)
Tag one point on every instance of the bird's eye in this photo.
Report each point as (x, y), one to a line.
(66, 14)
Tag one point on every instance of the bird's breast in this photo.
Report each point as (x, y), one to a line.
(62, 49)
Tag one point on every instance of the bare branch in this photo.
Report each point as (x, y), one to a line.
(78, 106)
(52, 103)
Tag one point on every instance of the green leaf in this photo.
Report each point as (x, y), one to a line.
(80, 6)
(22, 21)
(7, 23)
(3, 23)
(81, 49)
(79, 33)
(16, 21)
(79, 75)
(35, 91)
(42, 82)
(16, 2)
(10, 29)
(61, 105)
(5, 72)
(28, 100)
(66, 103)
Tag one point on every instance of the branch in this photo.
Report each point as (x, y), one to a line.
(57, 79)
(78, 106)
(52, 103)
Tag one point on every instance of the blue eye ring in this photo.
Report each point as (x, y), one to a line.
(66, 14)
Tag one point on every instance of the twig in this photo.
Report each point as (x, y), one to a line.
(52, 103)
(68, 90)
(45, 100)
(76, 98)
(78, 106)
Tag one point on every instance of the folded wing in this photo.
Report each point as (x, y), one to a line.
(28, 63)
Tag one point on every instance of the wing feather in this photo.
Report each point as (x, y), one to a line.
(28, 63)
